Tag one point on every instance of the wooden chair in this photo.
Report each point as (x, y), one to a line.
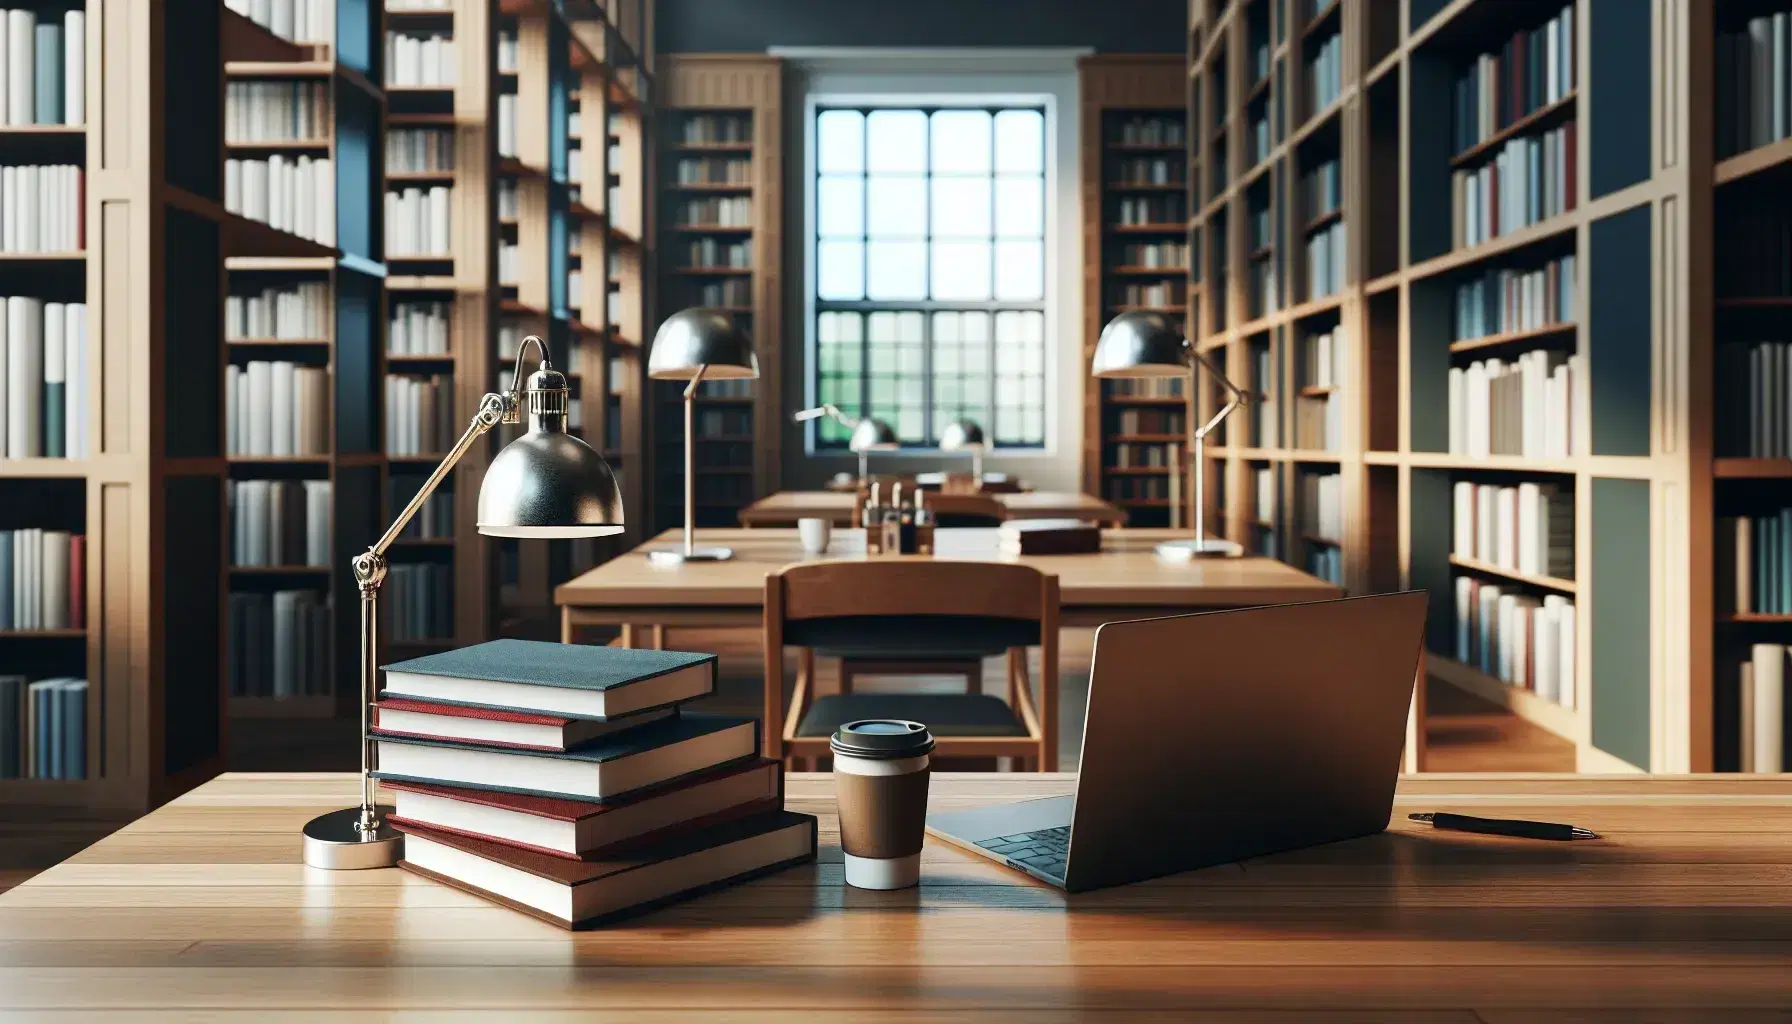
(919, 611)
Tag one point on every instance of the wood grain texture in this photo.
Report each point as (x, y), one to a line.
(785, 507)
(202, 911)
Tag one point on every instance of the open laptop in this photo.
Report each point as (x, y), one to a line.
(1215, 737)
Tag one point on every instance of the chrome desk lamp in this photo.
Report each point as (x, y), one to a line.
(693, 344)
(869, 434)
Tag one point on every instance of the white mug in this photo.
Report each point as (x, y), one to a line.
(815, 534)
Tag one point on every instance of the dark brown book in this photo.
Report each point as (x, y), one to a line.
(580, 894)
(1049, 537)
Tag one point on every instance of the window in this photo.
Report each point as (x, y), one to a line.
(929, 255)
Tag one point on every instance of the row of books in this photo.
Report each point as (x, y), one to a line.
(434, 521)
(1318, 423)
(43, 728)
(419, 414)
(1753, 77)
(1132, 211)
(419, 5)
(1327, 261)
(418, 601)
(42, 208)
(713, 171)
(1321, 189)
(279, 644)
(276, 111)
(1754, 563)
(1149, 131)
(1325, 74)
(509, 205)
(279, 522)
(1528, 528)
(1518, 638)
(295, 195)
(1167, 255)
(573, 783)
(713, 252)
(1756, 419)
(739, 388)
(1531, 70)
(1157, 293)
(43, 67)
(420, 60)
(730, 291)
(306, 21)
(1143, 456)
(701, 129)
(418, 221)
(1263, 487)
(1326, 561)
(1528, 406)
(1260, 228)
(1322, 358)
(510, 262)
(1759, 685)
(1322, 505)
(410, 150)
(575, 165)
(718, 211)
(298, 312)
(720, 422)
(1149, 421)
(1503, 301)
(1139, 488)
(43, 579)
(45, 397)
(1159, 170)
(418, 328)
(1531, 180)
(276, 408)
(1148, 387)
(1263, 295)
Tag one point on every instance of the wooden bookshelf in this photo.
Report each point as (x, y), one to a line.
(1136, 166)
(720, 212)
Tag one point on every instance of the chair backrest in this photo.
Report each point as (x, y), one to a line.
(951, 510)
(917, 587)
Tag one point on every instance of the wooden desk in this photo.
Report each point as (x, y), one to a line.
(786, 507)
(1682, 909)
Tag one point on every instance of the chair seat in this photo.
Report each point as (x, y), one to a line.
(944, 714)
(911, 637)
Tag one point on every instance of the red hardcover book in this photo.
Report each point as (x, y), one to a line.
(498, 727)
(77, 581)
(577, 829)
(1571, 187)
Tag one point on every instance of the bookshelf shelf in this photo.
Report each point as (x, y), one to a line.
(1752, 469)
(43, 634)
(16, 131)
(1552, 333)
(1760, 618)
(1760, 160)
(1544, 233)
(1167, 228)
(1489, 569)
(276, 342)
(1544, 117)
(1149, 271)
(79, 256)
(1538, 710)
(279, 570)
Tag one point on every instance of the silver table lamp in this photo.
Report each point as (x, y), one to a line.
(869, 434)
(693, 344)
(547, 484)
(1140, 344)
(965, 435)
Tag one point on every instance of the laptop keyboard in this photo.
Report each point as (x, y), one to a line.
(1045, 851)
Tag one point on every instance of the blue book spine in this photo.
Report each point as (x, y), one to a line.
(1785, 553)
(40, 729)
(52, 700)
(48, 61)
(6, 620)
(74, 722)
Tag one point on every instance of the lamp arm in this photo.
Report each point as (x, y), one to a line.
(494, 409)
(1238, 397)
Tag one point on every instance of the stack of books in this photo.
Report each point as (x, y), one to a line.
(570, 782)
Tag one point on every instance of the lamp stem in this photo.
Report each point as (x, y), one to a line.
(864, 469)
(690, 462)
(977, 466)
(370, 652)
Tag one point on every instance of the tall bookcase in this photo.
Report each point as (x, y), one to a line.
(1137, 156)
(1353, 466)
(721, 214)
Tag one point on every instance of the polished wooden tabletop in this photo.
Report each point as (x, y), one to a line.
(203, 910)
(785, 507)
(1126, 572)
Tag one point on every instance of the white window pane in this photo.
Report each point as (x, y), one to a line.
(897, 207)
(961, 270)
(840, 141)
(1020, 270)
(1020, 207)
(882, 331)
(840, 271)
(945, 330)
(896, 270)
(961, 207)
(908, 328)
(840, 206)
(976, 329)
(908, 425)
(961, 142)
(1020, 141)
(897, 141)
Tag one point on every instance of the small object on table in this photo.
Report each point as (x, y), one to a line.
(923, 524)
(1049, 537)
(843, 482)
(880, 782)
(1514, 827)
(815, 533)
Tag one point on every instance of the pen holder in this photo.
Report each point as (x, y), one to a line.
(924, 539)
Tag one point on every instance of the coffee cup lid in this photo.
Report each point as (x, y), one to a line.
(882, 739)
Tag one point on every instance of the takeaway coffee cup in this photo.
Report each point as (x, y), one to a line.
(880, 780)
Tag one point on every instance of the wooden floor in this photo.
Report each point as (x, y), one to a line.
(1466, 734)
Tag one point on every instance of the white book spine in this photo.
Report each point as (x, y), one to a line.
(1770, 698)
(21, 67)
(74, 68)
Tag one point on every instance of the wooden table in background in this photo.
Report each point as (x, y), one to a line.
(786, 507)
(1683, 906)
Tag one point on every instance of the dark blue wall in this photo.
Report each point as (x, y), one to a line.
(750, 26)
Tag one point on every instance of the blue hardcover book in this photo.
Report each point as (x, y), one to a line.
(6, 612)
(48, 61)
(75, 722)
(603, 769)
(51, 704)
(572, 680)
(1785, 553)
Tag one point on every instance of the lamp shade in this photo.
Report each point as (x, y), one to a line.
(1140, 344)
(961, 436)
(548, 483)
(872, 434)
(701, 338)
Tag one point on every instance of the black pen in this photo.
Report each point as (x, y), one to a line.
(1504, 826)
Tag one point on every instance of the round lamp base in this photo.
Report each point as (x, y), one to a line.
(1183, 550)
(696, 555)
(334, 843)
